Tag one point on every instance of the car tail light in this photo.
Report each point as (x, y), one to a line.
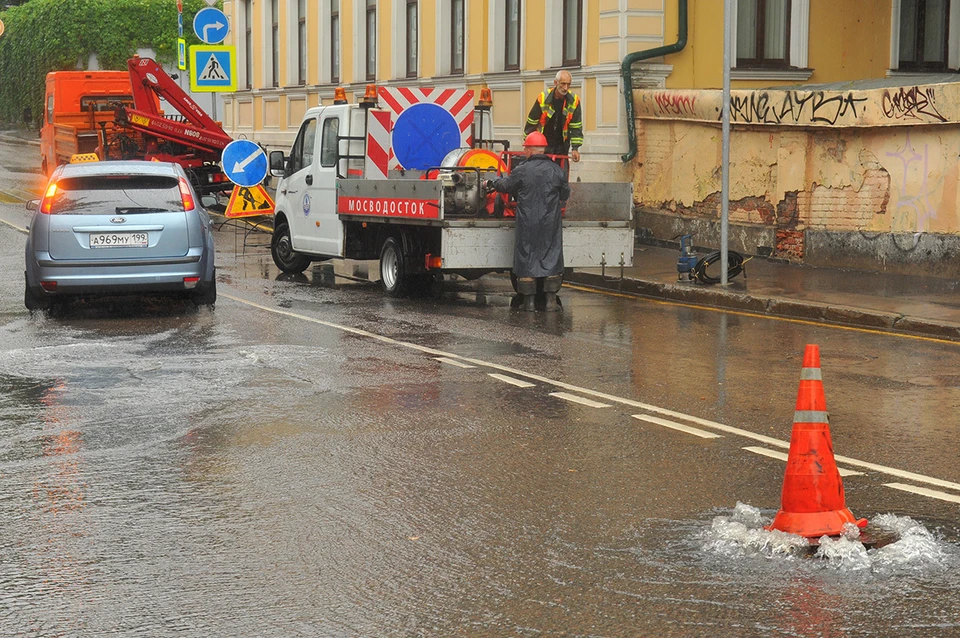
(49, 286)
(186, 195)
(190, 282)
(433, 262)
(46, 205)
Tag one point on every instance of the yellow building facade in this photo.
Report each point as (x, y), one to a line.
(293, 53)
(845, 132)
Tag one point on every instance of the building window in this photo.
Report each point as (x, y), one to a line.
(274, 42)
(371, 39)
(302, 41)
(412, 42)
(572, 22)
(512, 36)
(456, 39)
(923, 35)
(763, 33)
(248, 41)
(335, 41)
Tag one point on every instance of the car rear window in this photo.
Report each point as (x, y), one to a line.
(117, 194)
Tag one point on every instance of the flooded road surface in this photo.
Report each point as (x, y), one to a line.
(311, 458)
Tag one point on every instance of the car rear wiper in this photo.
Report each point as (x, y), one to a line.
(128, 210)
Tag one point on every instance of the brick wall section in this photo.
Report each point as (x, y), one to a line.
(789, 245)
(824, 208)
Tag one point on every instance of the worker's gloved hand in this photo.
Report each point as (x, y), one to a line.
(488, 185)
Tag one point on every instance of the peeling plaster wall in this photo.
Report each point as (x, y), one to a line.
(834, 164)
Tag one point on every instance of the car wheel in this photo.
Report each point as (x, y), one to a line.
(284, 256)
(206, 296)
(32, 300)
(393, 278)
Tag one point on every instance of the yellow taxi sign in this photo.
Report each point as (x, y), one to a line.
(80, 158)
(249, 201)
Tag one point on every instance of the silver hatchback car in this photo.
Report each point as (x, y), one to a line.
(125, 227)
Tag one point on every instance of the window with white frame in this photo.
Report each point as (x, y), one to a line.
(923, 42)
(334, 41)
(370, 39)
(301, 41)
(457, 30)
(770, 37)
(247, 10)
(572, 30)
(511, 34)
(274, 42)
(412, 38)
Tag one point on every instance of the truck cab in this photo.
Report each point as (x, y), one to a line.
(306, 198)
(77, 104)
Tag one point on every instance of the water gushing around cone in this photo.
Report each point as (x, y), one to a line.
(742, 534)
(812, 501)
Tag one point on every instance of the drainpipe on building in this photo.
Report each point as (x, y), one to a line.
(626, 74)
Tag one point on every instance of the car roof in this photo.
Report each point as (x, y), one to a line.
(121, 167)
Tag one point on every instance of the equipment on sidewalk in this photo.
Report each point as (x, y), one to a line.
(812, 501)
(690, 267)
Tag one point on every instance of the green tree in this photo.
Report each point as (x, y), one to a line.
(60, 35)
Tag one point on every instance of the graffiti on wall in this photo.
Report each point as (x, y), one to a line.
(913, 209)
(913, 102)
(797, 107)
(675, 103)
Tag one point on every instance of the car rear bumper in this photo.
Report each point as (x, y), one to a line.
(77, 278)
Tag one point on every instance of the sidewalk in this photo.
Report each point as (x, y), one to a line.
(20, 136)
(924, 306)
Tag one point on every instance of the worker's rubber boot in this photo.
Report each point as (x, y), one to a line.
(527, 287)
(551, 285)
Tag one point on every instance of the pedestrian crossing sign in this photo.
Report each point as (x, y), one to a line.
(213, 68)
(247, 202)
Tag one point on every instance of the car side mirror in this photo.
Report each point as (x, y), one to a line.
(278, 164)
(33, 204)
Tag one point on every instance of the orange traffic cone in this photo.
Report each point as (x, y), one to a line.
(812, 503)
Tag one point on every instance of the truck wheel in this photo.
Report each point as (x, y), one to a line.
(284, 256)
(392, 277)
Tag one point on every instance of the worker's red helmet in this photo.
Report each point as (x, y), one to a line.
(535, 139)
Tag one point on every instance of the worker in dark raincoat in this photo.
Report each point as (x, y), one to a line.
(539, 185)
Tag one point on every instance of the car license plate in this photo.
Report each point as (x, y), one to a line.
(118, 240)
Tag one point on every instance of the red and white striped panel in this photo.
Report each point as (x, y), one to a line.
(379, 150)
(458, 102)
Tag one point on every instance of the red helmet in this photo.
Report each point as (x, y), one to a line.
(535, 139)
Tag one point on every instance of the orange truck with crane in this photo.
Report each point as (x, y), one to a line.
(117, 115)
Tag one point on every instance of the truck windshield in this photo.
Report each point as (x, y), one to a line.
(104, 102)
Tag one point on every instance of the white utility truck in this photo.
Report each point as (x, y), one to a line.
(403, 183)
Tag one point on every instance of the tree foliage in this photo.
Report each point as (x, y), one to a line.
(60, 35)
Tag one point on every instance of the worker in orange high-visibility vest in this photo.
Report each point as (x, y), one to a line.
(556, 114)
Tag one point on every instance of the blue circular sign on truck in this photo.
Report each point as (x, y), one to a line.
(423, 135)
(244, 163)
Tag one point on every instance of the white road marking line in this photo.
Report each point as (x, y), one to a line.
(922, 491)
(773, 454)
(581, 400)
(454, 362)
(677, 426)
(883, 469)
(512, 381)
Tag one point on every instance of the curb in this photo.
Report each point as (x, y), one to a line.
(14, 139)
(774, 306)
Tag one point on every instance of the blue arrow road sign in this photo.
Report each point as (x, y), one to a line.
(244, 163)
(210, 25)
